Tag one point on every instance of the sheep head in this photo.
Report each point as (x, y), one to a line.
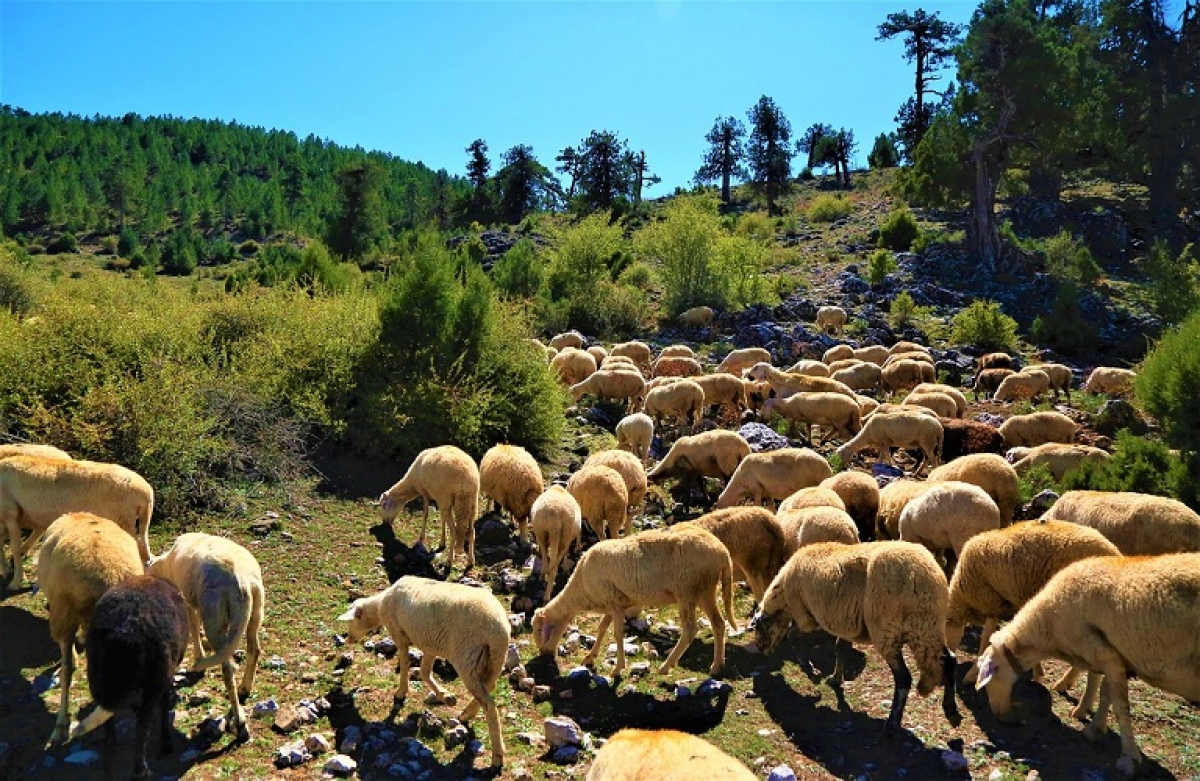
(363, 616)
(998, 671)
(770, 628)
(547, 630)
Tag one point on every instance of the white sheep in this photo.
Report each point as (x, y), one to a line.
(511, 477)
(860, 494)
(960, 399)
(38, 451)
(810, 367)
(839, 352)
(1060, 376)
(1055, 456)
(831, 319)
(682, 401)
(723, 389)
(683, 567)
(36, 491)
(709, 454)
(754, 539)
(884, 432)
(448, 477)
(991, 473)
(920, 356)
(873, 353)
(889, 594)
(638, 351)
(1038, 428)
(905, 374)
(697, 317)
(603, 499)
(627, 386)
(631, 471)
(612, 362)
(1110, 380)
(573, 365)
(598, 352)
(840, 413)
(785, 384)
(774, 475)
(1138, 524)
(947, 515)
(635, 754)
(569, 339)
(223, 587)
(844, 363)
(1122, 617)
(676, 366)
(941, 404)
(635, 433)
(82, 556)
(681, 350)
(893, 498)
(810, 525)
(861, 376)
(1025, 384)
(466, 626)
(866, 405)
(739, 360)
(907, 347)
(557, 522)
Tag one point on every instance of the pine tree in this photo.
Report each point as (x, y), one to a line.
(359, 221)
(723, 160)
(768, 152)
(929, 43)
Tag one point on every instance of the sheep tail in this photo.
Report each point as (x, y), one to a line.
(727, 591)
(93, 720)
(232, 616)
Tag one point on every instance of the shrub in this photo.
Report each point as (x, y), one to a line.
(829, 208)
(904, 311)
(609, 309)
(1166, 388)
(879, 265)
(1033, 482)
(1068, 259)
(16, 290)
(62, 244)
(1137, 464)
(179, 253)
(756, 226)
(248, 247)
(742, 261)
(1065, 328)
(582, 254)
(899, 230)
(983, 325)
(127, 242)
(687, 245)
(639, 275)
(1174, 282)
(108, 245)
(520, 273)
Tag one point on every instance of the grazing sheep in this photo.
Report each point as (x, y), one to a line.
(860, 494)
(511, 478)
(681, 350)
(638, 351)
(1114, 615)
(1026, 384)
(884, 432)
(1038, 428)
(756, 394)
(635, 433)
(466, 626)
(866, 405)
(603, 499)
(36, 491)
(874, 353)
(682, 401)
(723, 389)
(557, 522)
(137, 636)
(1057, 457)
(893, 498)
(37, 451)
(889, 594)
(888, 408)
(988, 471)
(905, 374)
(681, 567)
(906, 347)
(710, 454)
(631, 471)
(83, 556)
(964, 437)
(676, 366)
(861, 376)
(697, 317)
(754, 539)
(1110, 380)
(840, 413)
(598, 352)
(947, 515)
(774, 476)
(813, 496)
(831, 319)
(612, 384)
(839, 352)
(614, 362)
(785, 384)
(1000, 570)
(569, 339)
(995, 361)
(1060, 376)
(1138, 524)
(920, 356)
(636, 754)
(448, 477)
(943, 406)
(223, 587)
(959, 397)
(988, 381)
(810, 367)
(845, 363)
(810, 525)
(739, 360)
(573, 365)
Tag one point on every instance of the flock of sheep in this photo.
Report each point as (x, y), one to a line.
(1105, 581)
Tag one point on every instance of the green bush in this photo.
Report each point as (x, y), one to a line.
(1065, 328)
(983, 325)
(609, 310)
(688, 246)
(63, 244)
(582, 254)
(1137, 464)
(16, 289)
(1174, 282)
(1166, 388)
(904, 311)
(639, 275)
(879, 265)
(756, 226)
(248, 247)
(829, 208)
(520, 273)
(899, 230)
(1033, 482)
(179, 256)
(127, 242)
(1069, 260)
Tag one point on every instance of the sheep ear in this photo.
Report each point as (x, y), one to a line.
(353, 613)
(987, 668)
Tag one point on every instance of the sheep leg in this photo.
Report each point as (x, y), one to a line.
(708, 603)
(141, 737)
(903, 684)
(949, 706)
(590, 658)
(550, 573)
(14, 576)
(1089, 696)
(194, 622)
(65, 672)
(424, 520)
(1117, 686)
(34, 537)
(236, 720)
(687, 633)
(402, 667)
(483, 696)
(253, 647)
(166, 718)
(618, 624)
(439, 694)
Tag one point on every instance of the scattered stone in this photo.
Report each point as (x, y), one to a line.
(521, 773)
(530, 738)
(456, 736)
(340, 765)
(317, 743)
(351, 740)
(529, 685)
(954, 762)
(276, 663)
(198, 697)
(475, 747)
(44, 682)
(211, 728)
(782, 773)
(385, 646)
(750, 647)
(762, 438)
(711, 688)
(638, 669)
(562, 731)
(429, 724)
(567, 755)
(541, 693)
(742, 712)
(82, 758)
(579, 674)
(289, 719)
(291, 754)
(766, 733)
(1117, 414)
(513, 659)
(996, 775)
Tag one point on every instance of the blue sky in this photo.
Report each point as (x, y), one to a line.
(422, 80)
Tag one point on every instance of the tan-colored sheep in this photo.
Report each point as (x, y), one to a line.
(34, 492)
(680, 350)
(639, 352)
(893, 498)
(631, 471)
(222, 585)
(1110, 380)
(754, 539)
(681, 401)
(676, 366)
(866, 405)
(83, 556)
(811, 525)
(635, 433)
(942, 405)
(839, 352)
(598, 352)
(466, 626)
(785, 384)
(682, 567)
(697, 317)
(710, 454)
(888, 408)
(888, 594)
(611, 384)
(603, 499)
(988, 471)
(568, 339)
(1138, 524)
(860, 494)
(813, 496)
(845, 363)
(722, 389)
(1026, 384)
(810, 367)
(919, 356)
(839, 413)
(642, 755)
(557, 522)
(873, 353)
(612, 362)
(448, 477)
(511, 478)
(831, 319)
(573, 365)
(995, 361)
(905, 374)
(1038, 428)
(742, 359)
(861, 376)
(774, 476)
(947, 515)
(37, 451)
(988, 381)
(884, 432)
(1060, 376)
(959, 397)
(1114, 615)
(907, 347)
(1057, 457)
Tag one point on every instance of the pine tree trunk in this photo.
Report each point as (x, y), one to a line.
(725, 186)
(982, 228)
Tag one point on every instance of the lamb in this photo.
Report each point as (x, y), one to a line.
(874, 353)
(557, 522)
(944, 406)
(893, 498)
(83, 556)
(1138, 524)
(634, 754)
(137, 636)
(676, 366)
(988, 381)
(947, 515)
(697, 317)
(38, 451)
(1058, 458)
(831, 319)
(964, 437)
(889, 594)
(709, 454)
(862, 376)
(785, 384)
(995, 361)
(723, 389)
(841, 414)
(884, 432)
(774, 476)
(810, 367)
(223, 587)
(653, 568)
(680, 350)
(739, 360)
(36, 491)
(573, 365)
(631, 471)
(635, 433)
(511, 478)
(466, 626)
(838, 352)
(448, 477)
(959, 397)
(988, 471)
(860, 493)
(1038, 428)
(754, 539)
(682, 401)
(569, 339)
(603, 499)
(611, 384)
(1110, 380)
(1118, 616)
(811, 525)
(638, 351)
(905, 374)
(1060, 377)
(1026, 384)
(814, 496)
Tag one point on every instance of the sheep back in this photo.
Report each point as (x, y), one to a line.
(775, 474)
(754, 539)
(860, 494)
(1038, 428)
(991, 473)
(709, 454)
(813, 496)
(1110, 380)
(812, 525)
(947, 515)
(511, 476)
(628, 467)
(964, 437)
(644, 754)
(603, 499)
(1138, 524)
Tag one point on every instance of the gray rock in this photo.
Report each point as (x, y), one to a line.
(517, 622)
(291, 754)
(567, 755)
(317, 743)
(954, 761)
(562, 731)
(351, 740)
(530, 738)
(82, 758)
(385, 646)
(711, 688)
(1042, 502)
(340, 765)
(782, 773)
(276, 663)
(456, 736)
(1117, 414)
(512, 659)
(762, 438)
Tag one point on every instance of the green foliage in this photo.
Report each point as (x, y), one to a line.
(1137, 464)
(881, 263)
(582, 256)
(1174, 282)
(769, 151)
(128, 242)
(318, 271)
(1033, 482)
(179, 253)
(1166, 388)
(985, 326)
(609, 309)
(358, 224)
(756, 226)
(829, 208)
(520, 273)
(899, 230)
(884, 153)
(1068, 259)
(16, 289)
(63, 244)
(640, 275)
(904, 312)
(1065, 328)
(741, 261)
